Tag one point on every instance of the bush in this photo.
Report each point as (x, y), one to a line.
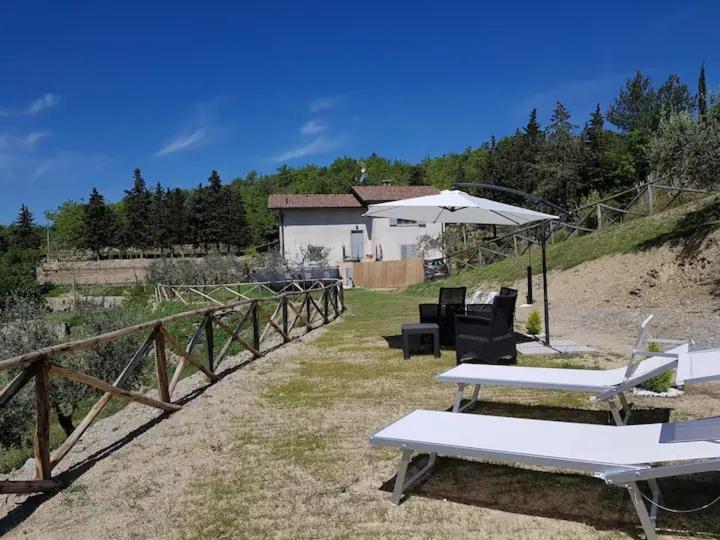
(533, 325)
(212, 269)
(660, 383)
(24, 327)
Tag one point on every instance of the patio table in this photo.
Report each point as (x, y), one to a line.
(420, 329)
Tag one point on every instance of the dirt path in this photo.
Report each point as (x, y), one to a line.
(139, 464)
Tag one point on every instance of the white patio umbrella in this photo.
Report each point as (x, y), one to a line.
(453, 206)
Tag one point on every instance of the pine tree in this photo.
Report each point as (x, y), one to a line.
(22, 233)
(99, 224)
(636, 106)
(674, 97)
(592, 171)
(176, 217)
(533, 131)
(198, 213)
(702, 93)
(137, 205)
(161, 232)
(560, 160)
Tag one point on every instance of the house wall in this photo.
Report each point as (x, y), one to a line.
(330, 227)
(327, 227)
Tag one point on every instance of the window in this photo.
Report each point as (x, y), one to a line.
(405, 223)
(408, 251)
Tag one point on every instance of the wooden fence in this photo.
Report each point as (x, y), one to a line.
(293, 313)
(388, 274)
(222, 293)
(638, 201)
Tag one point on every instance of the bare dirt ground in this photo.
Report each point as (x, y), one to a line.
(602, 302)
(279, 448)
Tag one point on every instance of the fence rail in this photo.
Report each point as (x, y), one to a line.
(293, 313)
(219, 294)
(575, 221)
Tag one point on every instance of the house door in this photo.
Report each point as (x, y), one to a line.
(356, 245)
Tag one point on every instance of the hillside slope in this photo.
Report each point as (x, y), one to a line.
(602, 285)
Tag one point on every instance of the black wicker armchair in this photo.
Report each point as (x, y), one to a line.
(450, 303)
(486, 336)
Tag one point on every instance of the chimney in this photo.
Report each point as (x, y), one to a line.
(386, 182)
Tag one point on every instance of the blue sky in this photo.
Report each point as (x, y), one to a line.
(89, 92)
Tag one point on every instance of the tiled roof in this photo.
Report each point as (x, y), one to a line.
(377, 194)
(312, 200)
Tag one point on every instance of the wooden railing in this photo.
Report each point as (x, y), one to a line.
(576, 221)
(259, 326)
(222, 293)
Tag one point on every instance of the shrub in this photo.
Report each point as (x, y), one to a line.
(660, 383)
(533, 325)
(24, 327)
(212, 269)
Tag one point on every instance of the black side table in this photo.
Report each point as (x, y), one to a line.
(420, 329)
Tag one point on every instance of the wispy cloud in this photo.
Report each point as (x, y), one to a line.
(319, 145)
(323, 104)
(67, 160)
(199, 129)
(183, 142)
(580, 95)
(22, 142)
(46, 101)
(313, 127)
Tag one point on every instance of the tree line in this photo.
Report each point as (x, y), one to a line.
(667, 129)
(158, 218)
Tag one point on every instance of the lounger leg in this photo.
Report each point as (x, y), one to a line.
(458, 397)
(400, 478)
(615, 412)
(473, 400)
(400, 484)
(641, 510)
(626, 408)
(657, 498)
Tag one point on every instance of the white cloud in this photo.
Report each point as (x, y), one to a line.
(40, 104)
(313, 127)
(323, 104)
(45, 102)
(319, 145)
(580, 96)
(183, 142)
(22, 142)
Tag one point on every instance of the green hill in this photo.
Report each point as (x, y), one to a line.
(687, 225)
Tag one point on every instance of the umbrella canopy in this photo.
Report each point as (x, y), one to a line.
(456, 207)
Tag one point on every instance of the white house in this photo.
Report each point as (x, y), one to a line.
(336, 222)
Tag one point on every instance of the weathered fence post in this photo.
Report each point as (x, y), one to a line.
(284, 311)
(599, 216)
(650, 198)
(42, 420)
(209, 342)
(326, 306)
(255, 326)
(161, 367)
(307, 311)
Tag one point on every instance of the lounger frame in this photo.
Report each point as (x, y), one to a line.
(623, 476)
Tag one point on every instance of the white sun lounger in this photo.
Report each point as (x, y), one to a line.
(621, 456)
(607, 384)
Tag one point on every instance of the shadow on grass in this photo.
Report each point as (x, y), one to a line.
(565, 496)
(65, 479)
(690, 231)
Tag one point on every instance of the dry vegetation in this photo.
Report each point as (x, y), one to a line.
(279, 449)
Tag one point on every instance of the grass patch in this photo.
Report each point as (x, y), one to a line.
(670, 227)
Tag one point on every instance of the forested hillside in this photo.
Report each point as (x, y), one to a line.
(667, 129)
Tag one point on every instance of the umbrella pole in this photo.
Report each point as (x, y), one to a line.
(545, 286)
